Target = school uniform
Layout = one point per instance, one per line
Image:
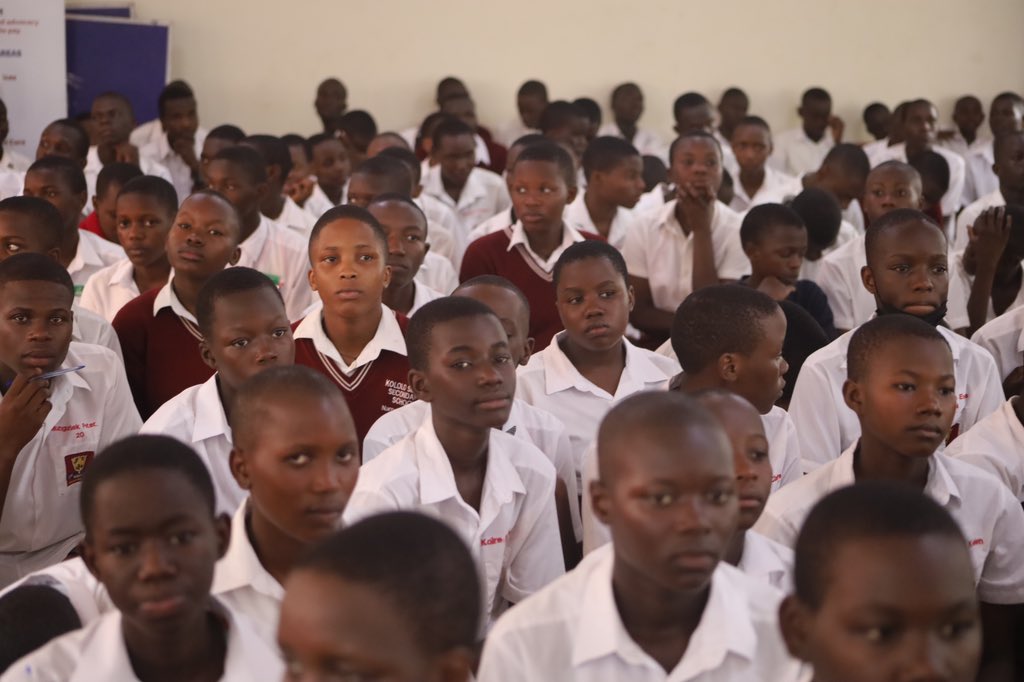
(729, 162)
(160, 341)
(283, 256)
(573, 630)
(996, 444)
(14, 161)
(826, 426)
(960, 284)
(496, 223)
(437, 273)
(577, 215)
(876, 150)
(73, 579)
(507, 253)
(775, 189)
(377, 380)
(990, 517)
(653, 200)
(319, 203)
(838, 275)
(952, 199)
(854, 215)
(196, 417)
(93, 254)
(296, 218)
(483, 195)
(513, 130)
(109, 289)
(98, 652)
(438, 212)
(1003, 338)
(658, 250)
(89, 327)
(981, 179)
(767, 560)
(970, 214)
(93, 166)
(514, 537)
(958, 145)
(646, 141)
(797, 154)
(160, 151)
(422, 294)
(811, 269)
(40, 523)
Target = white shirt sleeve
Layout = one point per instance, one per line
(815, 417)
(986, 388)
(792, 464)
(840, 299)
(538, 557)
(634, 250)
(734, 262)
(502, 658)
(1002, 577)
(121, 417)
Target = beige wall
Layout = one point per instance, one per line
(256, 63)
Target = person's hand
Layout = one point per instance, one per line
(301, 189)
(989, 235)
(776, 288)
(185, 147)
(837, 127)
(697, 203)
(22, 411)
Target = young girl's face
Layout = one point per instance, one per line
(539, 195)
(594, 303)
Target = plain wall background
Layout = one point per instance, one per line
(256, 63)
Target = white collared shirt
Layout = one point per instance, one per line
(512, 131)
(422, 294)
(838, 275)
(775, 188)
(1003, 337)
(649, 201)
(876, 150)
(166, 298)
(92, 408)
(996, 444)
(767, 560)
(496, 223)
(91, 328)
(437, 273)
(728, 155)
(826, 426)
(15, 161)
(970, 214)
(93, 254)
(388, 336)
(951, 200)
(159, 149)
(797, 154)
(572, 630)
(854, 215)
(981, 179)
(551, 382)
(990, 517)
(483, 195)
(570, 235)
(658, 250)
(577, 215)
(319, 203)
(74, 580)
(196, 417)
(296, 218)
(958, 145)
(283, 256)
(960, 284)
(514, 537)
(646, 141)
(109, 289)
(93, 166)
(98, 652)
(811, 269)
(439, 212)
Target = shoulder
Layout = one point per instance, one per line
(968, 349)
(100, 362)
(287, 239)
(173, 415)
(138, 309)
(498, 240)
(60, 657)
(831, 356)
(977, 485)
(530, 462)
(395, 467)
(488, 178)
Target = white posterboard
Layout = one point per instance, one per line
(33, 72)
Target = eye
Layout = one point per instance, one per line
(280, 332)
(329, 259)
(880, 634)
(956, 629)
(573, 300)
(13, 248)
(503, 359)
(946, 390)
(900, 268)
(345, 456)
(758, 455)
(608, 294)
(298, 459)
(461, 364)
(719, 496)
(413, 238)
(366, 258)
(239, 343)
(661, 499)
(123, 549)
(20, 318)
(182, 538)
(58, 319)
(184, 226)
(216, 233)
(940, 269)
(904, 387)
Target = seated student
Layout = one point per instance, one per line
(627, 108)
(177, 138)
(934, 172)
(50, 429)
(666, 475)
(775, 241)
(406, 228)
(531, 100)
(757, 183)
(113, 117)
(152, 538)
(239, 174)
(329, 162)
(144, 211)
(158, 330)
(1008, 152)
(473, 193)
(1005, 116)
(901, 383)
(59, 181)
(102, 222)
(692, 112)
(299, 183)
(1003, 338)
(437, 211)
(276, 205)
(895, 563)
(968, 115)
(31, 616)
(355, 129)
(591, 365)
(245, 331)
(330, 103)
(406, 610)
(564, 123)
(801, 150)
(592, 112)
(733, 106)
(499, 221)
(350, 335)
(843, 173)
(64, 137)
(877, 118)
(489, 154)
(690, 243)
(542, 183)
(891, 185)
(906, 273)
(497, 491)
(826, 230)
(614, 172)
(876, 150)
(219, 139)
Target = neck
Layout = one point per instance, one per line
(451, 189)
(726, 131)
(602, 212)
(648, 610)
(754, 280)
(681, 218)
(273, 205)
(249, 225)
(276, 551)
(752, 179)
(814, 138)
(333, 193)
(734, 550)
(400, 298)
(152, 275)
(969, 135)
(627, 128)
(226, 393)
(187, 291)
(350, 335)
(585, 359)
(193, 650)
(875, 460)
(69, 246)
(1013, 195)
(545, 243)
(915, 148)
(694, 383)
(465, 444)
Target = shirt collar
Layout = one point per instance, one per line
(570, 235)
(211, 421)
(166, 298)
(471, 191)
(85, 255)
(954, 340)
(667, 218)
(939, 484)
(240, 567)
(560, 374)
(252, 247)
(123, 274)
(389, 337)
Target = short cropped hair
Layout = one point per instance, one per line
(116, 173)
(144, 453)
(44, 217)
(693, 135)
(532, 88)
(439, 311)
(495, 281)
(35, 267)
(878, 333)
(591, 109)
(867, 510)
(387, 169)
(931, 164)
(405, 200)
(872, 109)
(273, 150)
(81, 135)
(449, 126)
(275, 385)
(407, 157)
(421, 566)
(155, 188)
(69, 172)
(820, 213)
(764, 217)
(849, 159)
(891, 220)
(688, 100)
(248, 159)
(734, 92)
(605, 153)
(549, 152)
(359, 124)
(227, 132)
(32, 615)
(754, 121)
(724, 318)
(528, 139)
(349, 212)
(174, 90)
(585, 250)
(296, 140)
(815, 94)
(226, 283)
(559, 114)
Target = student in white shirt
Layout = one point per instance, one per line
(692, 112)
(894, 562)
(331, 165)
(907, 275)
(826, 229)
(406, 609)
(627, 107)
(996, 444)
(1003, 338)
(495, 490)
(279, 253)
(1008, 165)
(801, 150)
(614, 172)
(277, 205)
(658, 603)
(531, 100)
(757, 183)
(1006, 115)
(49, 430)
(152, 538)
(176, 138)
(406, 228)
(692, 242)
(963, 139)
(590, 365)
(31, 616)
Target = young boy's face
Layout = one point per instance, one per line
(513, 315)
(752, 144)
(700, 117)
(204, 237)
(299, 463)
(572, 135)
(106, 211)
(815, 114)
(894, 609)
(180, 118)
(156, 560)
(907, 396)
(50, 185)
(142, 227)
(456, 155)
(35, 330)
(58, 140)
(362, 189)
(628, 105)
(1009, 165)
(211, 147)
(623, 184)
(300, 163)
(732, 109)
(113, 120)
(530, 108)
(594, 303)
(231, 180)
(778, 253)
(350, 270)
(968, 115)
(19, 235)
(920, 125)
(697, 161)
(908, 268)
(1005, 116)
(407, 239)
(250, 333)
(877, 122)
(330, 164)
(759, 374)
(887, 189)
(539, 195)
(745, 429)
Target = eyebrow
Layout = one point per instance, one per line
(915, 375)
(163, 525)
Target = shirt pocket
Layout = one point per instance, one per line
(74, 446)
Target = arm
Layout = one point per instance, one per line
(697, 202)
(989, 236)
(814, 412)
(23, 410)
(537, 550)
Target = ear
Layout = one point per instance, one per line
(426, 247)
(867, 278)
(417, 190)
(204, 352)
(794, 622)
(274, 174)
(222, 526)
(853, 396)
(528, 346)
(55, 253)
(239, 468)
(570, 196)
(83, 197)
(420, 385)
(630, 296)
(95, 198)
(235, 256)
(750, 249)
(729, 366)
(261, 189)
(312, 280)
(387, 274)
(600, 501)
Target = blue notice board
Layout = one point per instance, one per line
(115, 54)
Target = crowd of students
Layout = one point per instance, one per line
(562, 402)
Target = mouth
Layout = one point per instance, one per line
(493, 402)
(597, 329)
(191, 255)
(694, 562)
(750, 503)
(325, 516)
(532, 218)
(920, 308)
(38, 359)
(348, 294)
(930, 431)
(136, 252)
(159, 608)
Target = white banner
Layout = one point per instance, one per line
(33, 73)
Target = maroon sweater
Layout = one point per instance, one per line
(489, 255)
(161, 355)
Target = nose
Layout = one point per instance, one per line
(923, 280)
(325, 476)
(488, 375)
(153, 561)
(783, 366)
(930, 402)
(690, 517)
(266, 350)
(925, 661)
(40, 330)
(396, 245)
